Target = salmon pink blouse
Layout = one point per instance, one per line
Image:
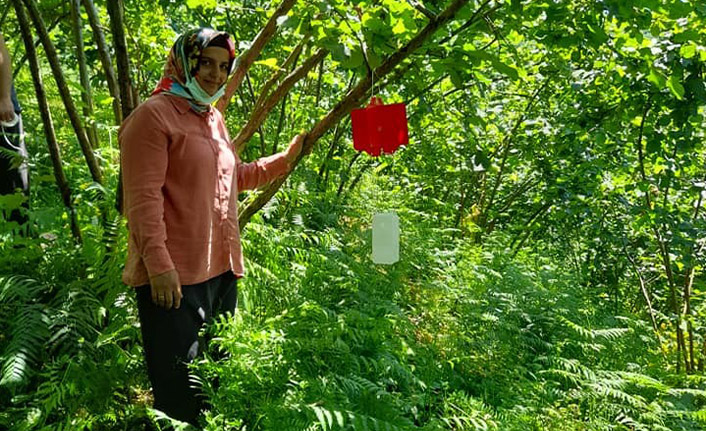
(181, 180)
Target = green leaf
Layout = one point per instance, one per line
(516, 7)
(206, 4)
(372, 22)
(500, 66)
(503, 68)
(374, 60)
(685, 36)
(353, 59)
(269, 62)
(11, 201)
(399, 28)
(679, 9)
(687, 51)
(482, 77)
(676, 87)
(657, 78)
(654, 144)
(481, 55)
(456, 79)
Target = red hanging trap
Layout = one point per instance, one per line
(379, 128)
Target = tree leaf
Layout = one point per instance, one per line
(268, 62)
(503, 68)
(657, 78)
(688, 51)
(676, 87)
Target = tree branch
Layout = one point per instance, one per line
(71, 110)
(116, 11)
(104, 54)
(86, 94)
(352, 99)
(260, 111)
(247, 58)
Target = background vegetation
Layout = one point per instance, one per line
(551, 272)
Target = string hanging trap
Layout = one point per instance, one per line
(380, 128)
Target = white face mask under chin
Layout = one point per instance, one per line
(200, 95)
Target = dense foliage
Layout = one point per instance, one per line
(550, 205)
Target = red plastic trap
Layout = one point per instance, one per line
(379, 128)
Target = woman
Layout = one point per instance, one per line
(181, 180)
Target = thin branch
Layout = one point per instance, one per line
(260, 112)
(643, 289)
(116, 11)
(291, 59)
(508, 144)
(426, 12)
(246, 60)
(104, 55)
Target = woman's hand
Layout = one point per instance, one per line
(166, 289)
(7, 109)
(295, 147)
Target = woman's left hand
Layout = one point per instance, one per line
(295, 147)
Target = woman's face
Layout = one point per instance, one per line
(213, 69)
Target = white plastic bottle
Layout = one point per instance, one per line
(386, 238)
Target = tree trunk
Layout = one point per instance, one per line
(66, 97)
(688, 285)
(127, 102)
(663, 249)
(116, 11)
(104, 55)
(86, 94)
(54, 152)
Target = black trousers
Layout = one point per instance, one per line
(171, 340)
(14, 176)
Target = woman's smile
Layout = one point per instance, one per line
(213, 69)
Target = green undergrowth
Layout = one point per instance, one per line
(70, 357)
(455, 336)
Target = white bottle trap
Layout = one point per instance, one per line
(386, 238)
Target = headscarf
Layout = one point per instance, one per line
(183, 63)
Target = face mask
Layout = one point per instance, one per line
(200, 95)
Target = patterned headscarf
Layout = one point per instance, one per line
(183, 63)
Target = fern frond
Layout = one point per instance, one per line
(593, 334)
(19, 289)
(30, 330)
(335, 419)
(604, 389)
